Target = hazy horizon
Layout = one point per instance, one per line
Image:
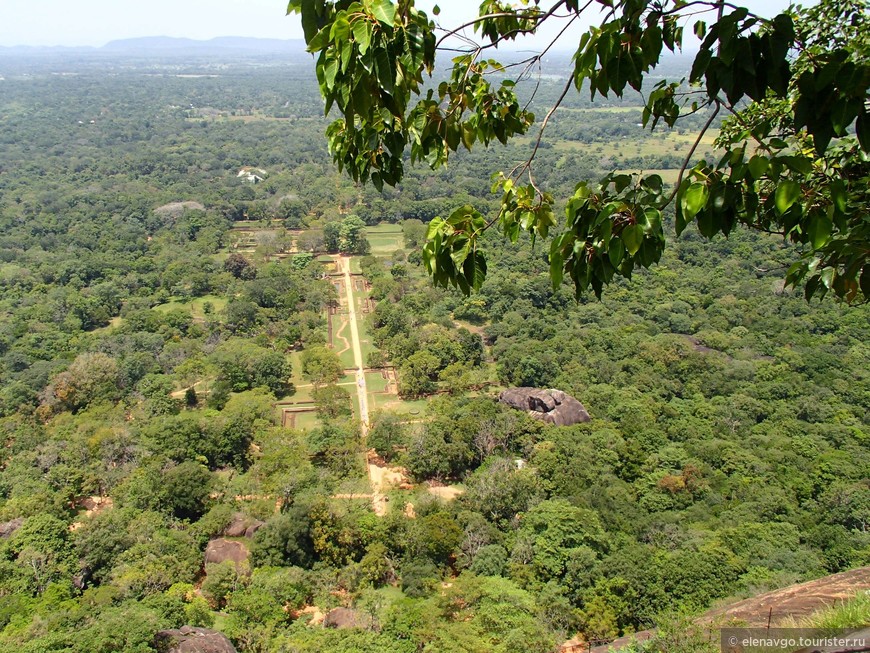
(94, 23)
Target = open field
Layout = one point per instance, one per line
(643, 144)
(600, 110)
(384, 228)
(196, 307)
(376, 381)
(384, 239)
(413, 409)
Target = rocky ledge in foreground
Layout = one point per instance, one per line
(188, 639)
(550, 406)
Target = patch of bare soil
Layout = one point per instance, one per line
(384, 478)
(446, 492)
(90, 506)
(316, 615)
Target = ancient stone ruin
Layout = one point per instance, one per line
(550, 406)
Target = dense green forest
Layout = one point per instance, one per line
(171, 235)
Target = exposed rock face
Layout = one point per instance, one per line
(220, 550)
(550, 406)
(9, 527)
(242, 526)
(175, 210)
(346, 618)
(188, 639)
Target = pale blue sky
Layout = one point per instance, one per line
(95, 22)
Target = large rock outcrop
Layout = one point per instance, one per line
(346, 618)
(9, 527)
(242, 526)
(188, 639)
(550, 406)
(221, 550)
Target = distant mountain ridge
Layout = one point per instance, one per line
(170, 44)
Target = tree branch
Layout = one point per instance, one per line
(504, 14)
(691, 152)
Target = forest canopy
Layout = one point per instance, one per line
(792, 148)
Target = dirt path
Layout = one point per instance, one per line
(379, 500)
(357, 349)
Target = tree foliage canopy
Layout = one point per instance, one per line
(794, 145)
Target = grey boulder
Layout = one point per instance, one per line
(551, 406)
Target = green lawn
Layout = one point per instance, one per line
(412, 409)
(385, 238)
(196, 307)
(347, 359)
(384, 228)
(296, 365)
(302, 394)
(385, 245)
(307, 420)
(375, 382)
(365, 336)
(114, 322)
(642, 144)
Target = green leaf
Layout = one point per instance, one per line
(680, 222)
(758, 166)
(799, 164)
(827, 276)
(652, 182)
(362, 34)
(556, 266)
(694, 199)
(385, 70)
(838, 195)
(436, 10)
(819, 231)
(615, 252)
(632, 236)
(652, 221)
(309, 19)
(384, 11)
(474, 270)
(862, 128)
(787, 193)
(436, 226)
(330, 70)
(320, 40)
